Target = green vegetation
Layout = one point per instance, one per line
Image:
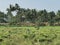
(29, 27)
(29, 16)
(30, 35)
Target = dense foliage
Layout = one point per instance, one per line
(29, 36)
(30, 16)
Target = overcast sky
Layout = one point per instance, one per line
(49, 5)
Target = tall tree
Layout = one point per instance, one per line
(51, 17)
(9, 15)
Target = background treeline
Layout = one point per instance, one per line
(29, 17)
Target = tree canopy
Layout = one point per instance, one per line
(30, 15)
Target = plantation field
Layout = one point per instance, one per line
(30, 35)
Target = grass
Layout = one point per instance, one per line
(48, 35)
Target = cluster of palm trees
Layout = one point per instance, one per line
(31, 15)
